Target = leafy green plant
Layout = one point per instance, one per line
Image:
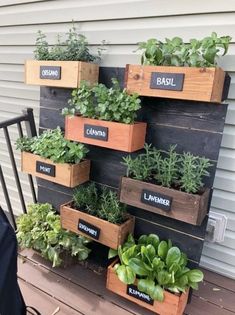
(168, 168)
(52, 145)
(74, 48)
(102, 203)
(100, 102)
(174, 52)
(156, 265)
(41, 230)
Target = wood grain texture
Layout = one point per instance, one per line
(111, 235)
(200, 84)
(189, 208)
(70, 175)
(72, 73)
(172, 304)
(122, 137)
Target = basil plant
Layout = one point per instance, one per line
(155, 265)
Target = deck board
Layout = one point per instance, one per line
(82, 291)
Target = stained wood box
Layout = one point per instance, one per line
(70, 175)
(67, 74)
(186, 83)
(104, 232)
(172, 305)
(112, 135)
(182, 206)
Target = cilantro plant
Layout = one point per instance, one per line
(156, 265)
(74, 48)
(41, 230)
(52, 145)
(174, 52)
(100, 102)
(102, 203)
(168, 168)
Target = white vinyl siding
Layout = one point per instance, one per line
(121, 23)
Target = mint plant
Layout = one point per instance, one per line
(174, 52)
(74, 48)
(102, 203)
(41, 230)
(168, 168)
(100, 102)
(52, 145)
(156, 266)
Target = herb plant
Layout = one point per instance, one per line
(100, 102)
(102, 203)
(74, 48)
(156, 265)
(41, 230)
(174, 52)
(169, 169)
(52, 145)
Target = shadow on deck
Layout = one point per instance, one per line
(78, 290)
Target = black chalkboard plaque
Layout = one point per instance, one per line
(167, 81)
(45, 168)
(133, 291)
(96, 132)
(156, 200)
(89, 229)
(50, 72)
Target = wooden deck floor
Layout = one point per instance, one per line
(78, 290)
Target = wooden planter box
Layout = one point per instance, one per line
(70, 175)
(104, 232)
(187, 83)
(67, 74)
(112, 135)
(172, 305)
(175, 204)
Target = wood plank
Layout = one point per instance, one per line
(43, 302)
(199, 306)
(217, 295)
(86, 301)
(216, 279)
(77, 297)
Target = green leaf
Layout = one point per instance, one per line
(157, 294)
(128, 254)
(195, 275)
(173, 256)
(125, 274)
(162, 249)
(112, 253)
(163, 277)
(138, 267)
(146, 285)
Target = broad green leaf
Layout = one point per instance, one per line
(157, 294)
(146, 285)
(128, 254)
(153, 239)
(162, 249)
(112, 253)
(138, 267)
(195, 275)
(163, 277)
(125, 274)
(173, 256)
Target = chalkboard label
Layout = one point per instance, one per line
(89, 229)
(156, 200)
(167, 81)
(44, 168)
(50, 72)
(96, 132)
(133, 291)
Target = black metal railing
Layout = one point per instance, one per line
(27, 118)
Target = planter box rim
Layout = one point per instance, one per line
(106, 121)
(205, 189)
(68, 204)
(172, 67)
(47, 159)
(54, 61)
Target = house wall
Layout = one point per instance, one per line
(121, 23)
